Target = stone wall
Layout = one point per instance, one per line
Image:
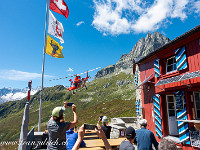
(119, 126)
(138, 91)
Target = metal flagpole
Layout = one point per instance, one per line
(41, 93)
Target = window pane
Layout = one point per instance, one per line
(198, 105)
(196, 97)
(170, 61)
(170, 99)
(198, 113)
(169, 68)
(171, 64)
(170, 105)
(174, 67)
(171, 113)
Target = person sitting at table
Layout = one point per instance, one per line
(100, 134)
(127, 144)
(71, 138)
(105, 127)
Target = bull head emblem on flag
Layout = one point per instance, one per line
(58, 29)
(55, 48)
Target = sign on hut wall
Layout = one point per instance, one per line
(179, 100)
(194, 137)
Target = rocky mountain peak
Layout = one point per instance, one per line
(143, 47)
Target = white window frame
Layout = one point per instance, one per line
(167, 65)
(174, 101)
(195, 103)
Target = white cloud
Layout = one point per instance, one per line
(19, 75)
(197, 6)
(11, 96)
(16, 96)
(124, 16)
(108, 16)
(79, 23)
(154, 16)
(70, 70)
(179, 9)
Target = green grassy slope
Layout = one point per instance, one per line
(113, 96)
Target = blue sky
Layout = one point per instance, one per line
(96, 34)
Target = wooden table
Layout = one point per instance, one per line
(99, 142)
(91, 148)
(90, 131)
(196, 123)
(190, 121)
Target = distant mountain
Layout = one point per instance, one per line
(143, 47)
(9, 94)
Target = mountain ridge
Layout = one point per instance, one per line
(142, 47)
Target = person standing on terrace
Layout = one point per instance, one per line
(105, 127)
(145, 138)
(57, 128)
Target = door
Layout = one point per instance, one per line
(171, 109)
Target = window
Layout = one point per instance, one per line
(197, 104)
(171, 64)
(171, 105)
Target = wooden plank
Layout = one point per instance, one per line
(194, 50)
(90, 136)
(179, 83)
(99, 142)
(192, 81)
(189, 56)
(194, 56)
(90, 131)
(190, 121)
(91, 148)
(197, 50)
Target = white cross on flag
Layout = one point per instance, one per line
(55, 27)
(59, 6)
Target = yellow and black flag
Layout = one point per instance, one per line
(53, 48)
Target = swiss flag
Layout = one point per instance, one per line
(59, 6)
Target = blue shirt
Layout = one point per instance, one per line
(71, 138)
(145, 138)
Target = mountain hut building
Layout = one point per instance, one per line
(167, 85)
